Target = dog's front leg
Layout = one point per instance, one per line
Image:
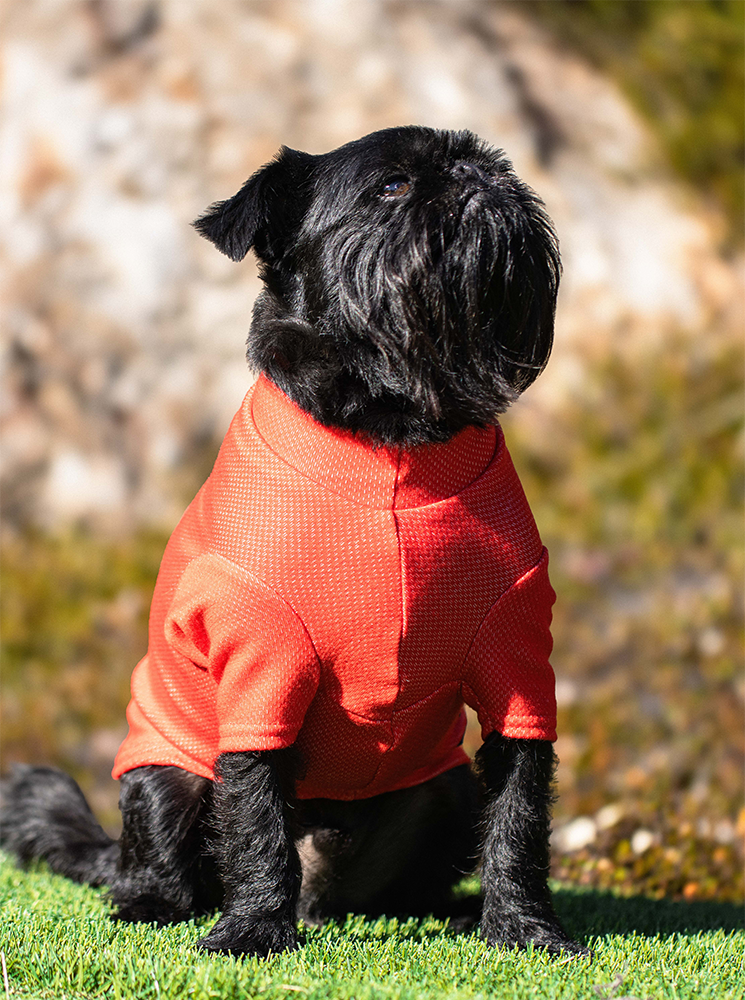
(517, 777)
(256, 853)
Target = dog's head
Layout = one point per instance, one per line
(411, 281)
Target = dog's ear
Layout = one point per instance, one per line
(263, 213)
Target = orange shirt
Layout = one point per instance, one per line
(349, 599)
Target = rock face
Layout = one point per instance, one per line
(121, 121)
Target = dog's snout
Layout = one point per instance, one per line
(470, 172)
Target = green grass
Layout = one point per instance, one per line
(59, 943)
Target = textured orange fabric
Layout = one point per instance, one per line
(349, 599)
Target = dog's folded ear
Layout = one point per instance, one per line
(261, 214)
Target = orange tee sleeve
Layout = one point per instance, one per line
(508, 678)
(253, 645)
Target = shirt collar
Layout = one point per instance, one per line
(374, 476)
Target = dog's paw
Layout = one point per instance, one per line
(260, 936)
(563, 945)
(548, 935)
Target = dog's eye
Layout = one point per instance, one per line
(395, 187)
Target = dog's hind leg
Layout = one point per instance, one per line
(159, 870)
(256, 853)
(517, 777)
(164, 871)
(45, 816)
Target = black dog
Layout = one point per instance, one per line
(410, 288)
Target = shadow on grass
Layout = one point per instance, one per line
(592, 912)
(584, 913)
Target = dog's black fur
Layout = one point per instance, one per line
(410, 287)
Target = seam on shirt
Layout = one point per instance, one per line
(237, 728)
(303, 475)
(474, 703)
(394, 715)
(400, 711)
(356, 715)
(544, 553)
(500, 447)
(350, 713)
(420, 701)
(402, 590)
(389, 722)
(180, 751)
(263, 583)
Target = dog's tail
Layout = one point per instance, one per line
(44, 815)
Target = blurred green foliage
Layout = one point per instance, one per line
(679, 864)
(73, 619)
(682, 63)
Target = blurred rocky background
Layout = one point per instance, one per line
(123, 339)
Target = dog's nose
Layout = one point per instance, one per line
(469, 171)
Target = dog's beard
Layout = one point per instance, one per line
(410, 332)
